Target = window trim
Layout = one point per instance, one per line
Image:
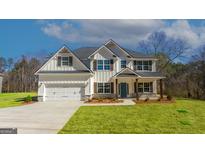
(150, 88)
(64, 60)
(100, 64)
(104, 87)
(123, 64)
(149, 65)
(103, 64)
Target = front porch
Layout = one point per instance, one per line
(137, 88)
(130, 84)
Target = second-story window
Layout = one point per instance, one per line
(65, 61)
(139, 65)
(123, 64)
(106, 64)
(100, 64)
(145, 65)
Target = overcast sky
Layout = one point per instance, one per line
(36, 37)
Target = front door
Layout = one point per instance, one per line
(123, 90)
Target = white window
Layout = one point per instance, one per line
(100, 88)
(145, 87)
(104, 88)
(65, 61)
(145, 65)
(103, 65)
(123, 64)
(106, 64)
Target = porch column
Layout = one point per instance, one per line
(116, 85)
(161, 88)
(136, 85)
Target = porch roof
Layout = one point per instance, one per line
(127, 72)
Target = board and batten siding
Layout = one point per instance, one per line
(104, 75)
(52, 64)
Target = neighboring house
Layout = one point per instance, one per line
(1, 80)
(107, 71)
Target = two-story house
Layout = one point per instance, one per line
(106, 71)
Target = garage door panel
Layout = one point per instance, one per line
(64, 92)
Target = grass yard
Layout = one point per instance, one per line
(182, 117)
(13, 99)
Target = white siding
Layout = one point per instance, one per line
(52, 64)
(102, 75)
(63, 80)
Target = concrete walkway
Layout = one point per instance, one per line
(38, 118)
(127, 101)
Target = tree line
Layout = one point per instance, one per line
(185, 78)
(19, 76)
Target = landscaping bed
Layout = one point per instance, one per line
(160, 101)
(16, 99)
(103, 100)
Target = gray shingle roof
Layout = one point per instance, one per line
(150, 74)
(79, 71)
(84, 53)
(138, 54)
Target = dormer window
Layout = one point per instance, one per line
(123, 63)
(65, 61)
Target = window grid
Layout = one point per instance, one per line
(65, 61)
(144, 65)
(103, 65)
(123, 64)
(100, 64)
(106, 64)
(145, 87)
(104, 88)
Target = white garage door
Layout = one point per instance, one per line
(64, 92)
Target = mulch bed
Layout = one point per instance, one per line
(163, 101)
(27, 103)
(103, 101)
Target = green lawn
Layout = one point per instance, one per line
(13, 99)
(184, 116)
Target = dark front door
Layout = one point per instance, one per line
(123, 90)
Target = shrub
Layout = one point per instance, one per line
(28, 98)
(169, 97)
(182, 110)
(147, 99)
(185, 122)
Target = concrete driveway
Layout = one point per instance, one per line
(38, 118)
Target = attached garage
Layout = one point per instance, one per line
(64, 92)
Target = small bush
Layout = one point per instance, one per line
(169, 97)
(147, 99)
(182, 111)
(28, 98)
(183, 122)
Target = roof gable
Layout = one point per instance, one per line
(64, 51)
(99, 49)
(127, 72)
(119, 51)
